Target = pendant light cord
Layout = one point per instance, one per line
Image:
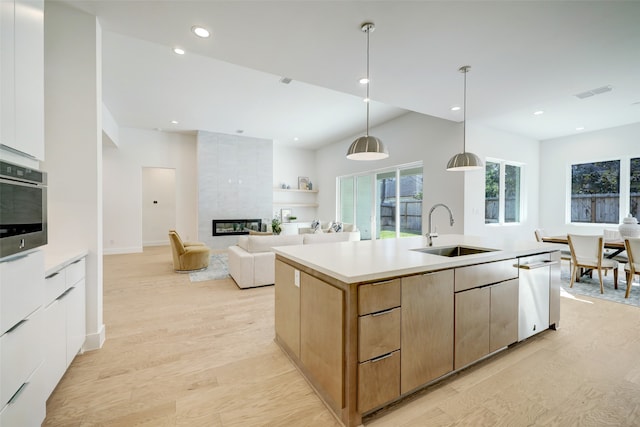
(368, 79)
(464, 112)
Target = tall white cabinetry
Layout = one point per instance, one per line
(22, 77)
(64, 315)
(22, 340)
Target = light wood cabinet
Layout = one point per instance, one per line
(378, 334)
(378, 381)
(427, 328)
(321, 335)
(486, 317)
(378, 296)
(287, 307)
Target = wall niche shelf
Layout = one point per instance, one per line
(295, 198)
(294, 190)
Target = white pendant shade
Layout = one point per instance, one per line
(367, 148)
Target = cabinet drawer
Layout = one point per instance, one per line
(378, 296)
(27, 408)
(378, 381)
(474, 276)
(54, 286)
(20, 354)
(75, 272)
(378, 334)
(22, 289)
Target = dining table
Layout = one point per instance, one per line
(617, 245)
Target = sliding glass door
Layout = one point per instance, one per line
(383, 204)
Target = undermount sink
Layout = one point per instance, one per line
(453, 251)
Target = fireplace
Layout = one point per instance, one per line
(230, 227)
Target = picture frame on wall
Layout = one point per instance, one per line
(303, 183)
(285, 213)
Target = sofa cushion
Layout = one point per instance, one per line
(243, 242)
(325, 238)
(265, 243)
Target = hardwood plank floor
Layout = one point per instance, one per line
(202, 354)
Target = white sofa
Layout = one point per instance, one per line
(252, 262)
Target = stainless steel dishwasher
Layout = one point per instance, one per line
(535, 276)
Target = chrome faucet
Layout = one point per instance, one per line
(430, 235)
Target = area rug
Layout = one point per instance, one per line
(591, 287)
(218, 269)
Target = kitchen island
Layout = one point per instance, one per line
(368, 323)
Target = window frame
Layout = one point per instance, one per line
(624, 199)
(502, 193)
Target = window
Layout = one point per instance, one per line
(595, 192)
(503, 188)
(383, 204)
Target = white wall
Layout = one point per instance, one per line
(288, 164)
(73, 139)
(558, 154)
(122, 174)
(409, 138)
(499, 145)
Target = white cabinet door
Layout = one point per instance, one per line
(21, 288)
(76, 330)
(27, 407)
(22, 353)
(7, 76)
(55, 363)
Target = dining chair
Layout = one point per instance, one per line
(565, 255)
(632, 246)
(587, 252)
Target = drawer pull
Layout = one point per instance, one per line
(17, 393)
(17, 325)
(64, 294)
(52, 275)
(381, 313)
(535, 265)
(382, 283)
(379, 358)
(76, 261)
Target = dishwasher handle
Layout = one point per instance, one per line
(535, 265)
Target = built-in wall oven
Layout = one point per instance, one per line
(23, 208)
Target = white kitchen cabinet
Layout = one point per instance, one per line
(22, 319)
(22, 290)
(22, 77)
(65, 320)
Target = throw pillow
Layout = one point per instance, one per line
(336, 227)
(315, 225)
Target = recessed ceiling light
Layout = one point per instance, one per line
(364, 81)
(178, 51)
(580, 128)
(538, 113)
(200, 32)
(366, 100)
(456, 108)
(296, 138)
(174, 122)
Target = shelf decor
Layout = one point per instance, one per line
(303, 183)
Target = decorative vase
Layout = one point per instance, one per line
(629, 227)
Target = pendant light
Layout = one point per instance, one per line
(367, 147)
(464, 161)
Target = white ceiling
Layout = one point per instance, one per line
(524, 56)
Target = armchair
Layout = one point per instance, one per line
(190, 257)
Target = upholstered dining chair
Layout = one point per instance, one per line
(632, 246)
(565, 255)
(587, 252)
(188, 258)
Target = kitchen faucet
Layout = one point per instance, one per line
(431, 235)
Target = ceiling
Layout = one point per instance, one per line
(525, 56)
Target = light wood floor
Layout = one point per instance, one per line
(202, 354)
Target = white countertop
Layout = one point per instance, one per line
(353, 262)
(55, 259)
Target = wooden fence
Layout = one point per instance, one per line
(410, 216)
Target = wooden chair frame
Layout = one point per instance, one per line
(631, 265)
(598, 266)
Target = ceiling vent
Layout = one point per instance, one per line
(285, 80)
(592, 92)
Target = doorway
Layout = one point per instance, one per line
(158, 205)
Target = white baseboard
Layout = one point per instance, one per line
(95, 341)
(116, 251)
(156, 243)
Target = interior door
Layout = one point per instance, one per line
(158, 205)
